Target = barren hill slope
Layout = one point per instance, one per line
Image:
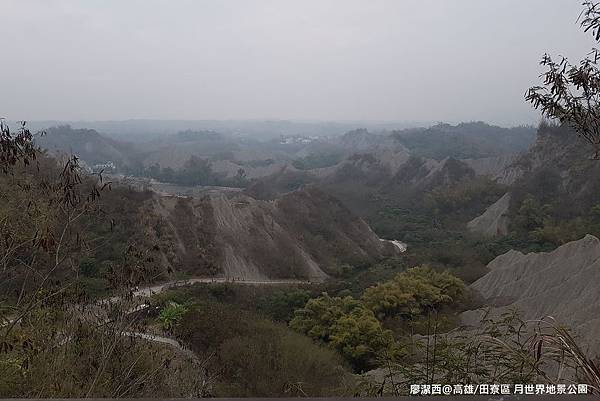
(498, 168)
(563, 284)
(303, 234)
(494, 221)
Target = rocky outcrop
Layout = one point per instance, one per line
(494, 221)
(564, 284)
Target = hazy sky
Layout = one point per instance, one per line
(405, 60)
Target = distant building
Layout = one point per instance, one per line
(108, 166)
(296, 139)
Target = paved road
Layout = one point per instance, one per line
(149, 291)
(158, 288)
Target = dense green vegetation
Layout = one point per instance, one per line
(356, 327)
(346, 325)
(414, 293)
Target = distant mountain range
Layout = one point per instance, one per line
(262, 129)
(259, 158)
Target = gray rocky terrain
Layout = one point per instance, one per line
(494, 221)
(498, 168)
(305, 234)
(562, 284)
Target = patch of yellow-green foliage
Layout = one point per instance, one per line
(353, 326)
(414, 292)
(346, 325)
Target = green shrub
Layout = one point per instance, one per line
(414, 292)
(347, 326)
(171, 315)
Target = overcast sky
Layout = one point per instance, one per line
(402, 60)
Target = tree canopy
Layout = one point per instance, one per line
(570, 93)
